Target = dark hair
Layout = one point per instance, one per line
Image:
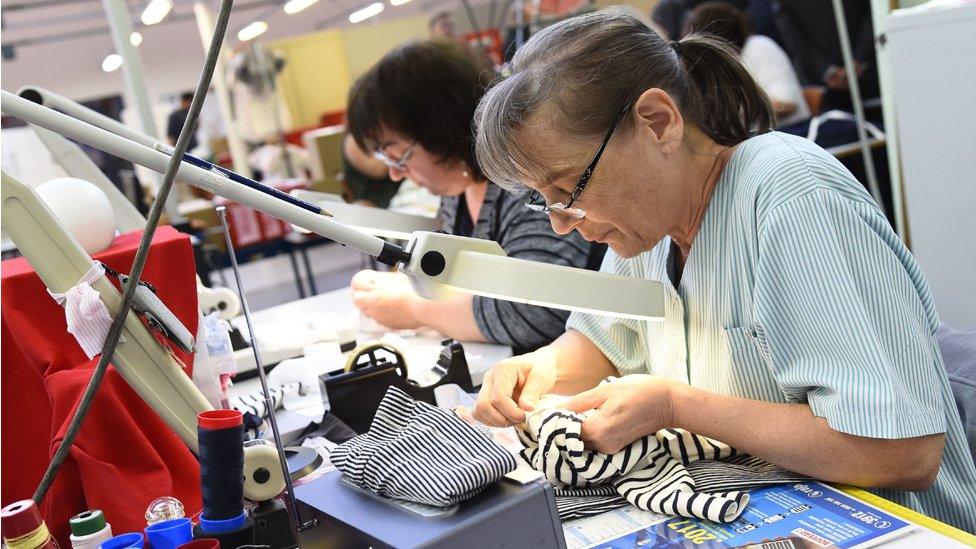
(719, 19)
(583, 70)
(425, 91)
(186, 97)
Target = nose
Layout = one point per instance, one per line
(396, 174)
(563, 224)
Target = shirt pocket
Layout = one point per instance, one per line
(753, 372)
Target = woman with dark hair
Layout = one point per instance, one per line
(414, 111)
(797, 328)
(762, 57)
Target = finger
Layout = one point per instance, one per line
(484, 411)
(587, 400)
(363, 280)
(598, 435)
(361, 299)
(535, 386)
(503, 384)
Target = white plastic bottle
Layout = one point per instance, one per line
(89, 529)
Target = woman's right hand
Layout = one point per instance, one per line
(513, 387)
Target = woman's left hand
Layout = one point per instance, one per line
(626, 410)
(387, 298)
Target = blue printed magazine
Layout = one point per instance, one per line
(799, 516)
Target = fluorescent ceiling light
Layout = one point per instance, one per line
(135, 38)
(369, 11)
(398, 2)
(156, 11)
(295, 6)
(111, 62)
(252, 31)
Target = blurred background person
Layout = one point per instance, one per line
(809, 30)
(768, 64)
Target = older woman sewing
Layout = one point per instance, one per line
(798, 327)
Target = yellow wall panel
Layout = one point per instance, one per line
(315, 78)
(366, 43)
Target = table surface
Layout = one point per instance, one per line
(481, 356)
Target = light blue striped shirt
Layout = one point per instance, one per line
(798, 290)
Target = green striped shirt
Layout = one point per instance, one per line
(798, 290)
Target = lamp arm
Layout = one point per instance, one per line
(218, 183)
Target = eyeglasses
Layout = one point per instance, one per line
(396, 163)
(536, 202)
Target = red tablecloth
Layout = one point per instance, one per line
(124, 456)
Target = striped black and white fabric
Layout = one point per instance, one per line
(254, 402)
(673, 472)
(420, 453)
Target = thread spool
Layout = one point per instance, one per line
(243, 535)
(23, 527)
(169, 534)
(202, 543)
(89, 529)
(124, 541)
(262, 473)
(221, 438)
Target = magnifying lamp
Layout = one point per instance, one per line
(436, 263)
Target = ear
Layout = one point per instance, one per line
(657, 112)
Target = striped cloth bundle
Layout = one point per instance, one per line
(423, 454)
(254, 402)
(672, 472)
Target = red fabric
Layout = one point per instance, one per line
(125, 455)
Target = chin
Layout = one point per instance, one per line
(628, 250)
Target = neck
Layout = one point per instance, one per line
(474, 196)
(704, 163)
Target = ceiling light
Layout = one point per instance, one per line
(156, 11)
(295, 6)
(398, 2)
(135, 38)
(369, 11)
(252, 31)
(111, 62)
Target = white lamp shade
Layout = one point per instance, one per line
(83, 209)
(442, 262)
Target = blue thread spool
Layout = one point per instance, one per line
(123, 541)
(169, 534)
(221, 437)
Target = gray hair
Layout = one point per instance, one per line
(581, 71)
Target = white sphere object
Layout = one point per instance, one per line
(83, 209)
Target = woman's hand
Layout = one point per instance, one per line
(630, 408)
(513, 387)
(387, 298)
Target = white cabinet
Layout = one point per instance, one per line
(933, 61)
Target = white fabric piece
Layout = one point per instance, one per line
(771, 68)
(85, 313)
(254, 402)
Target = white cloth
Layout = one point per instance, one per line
(85, 313)
(772, 70)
